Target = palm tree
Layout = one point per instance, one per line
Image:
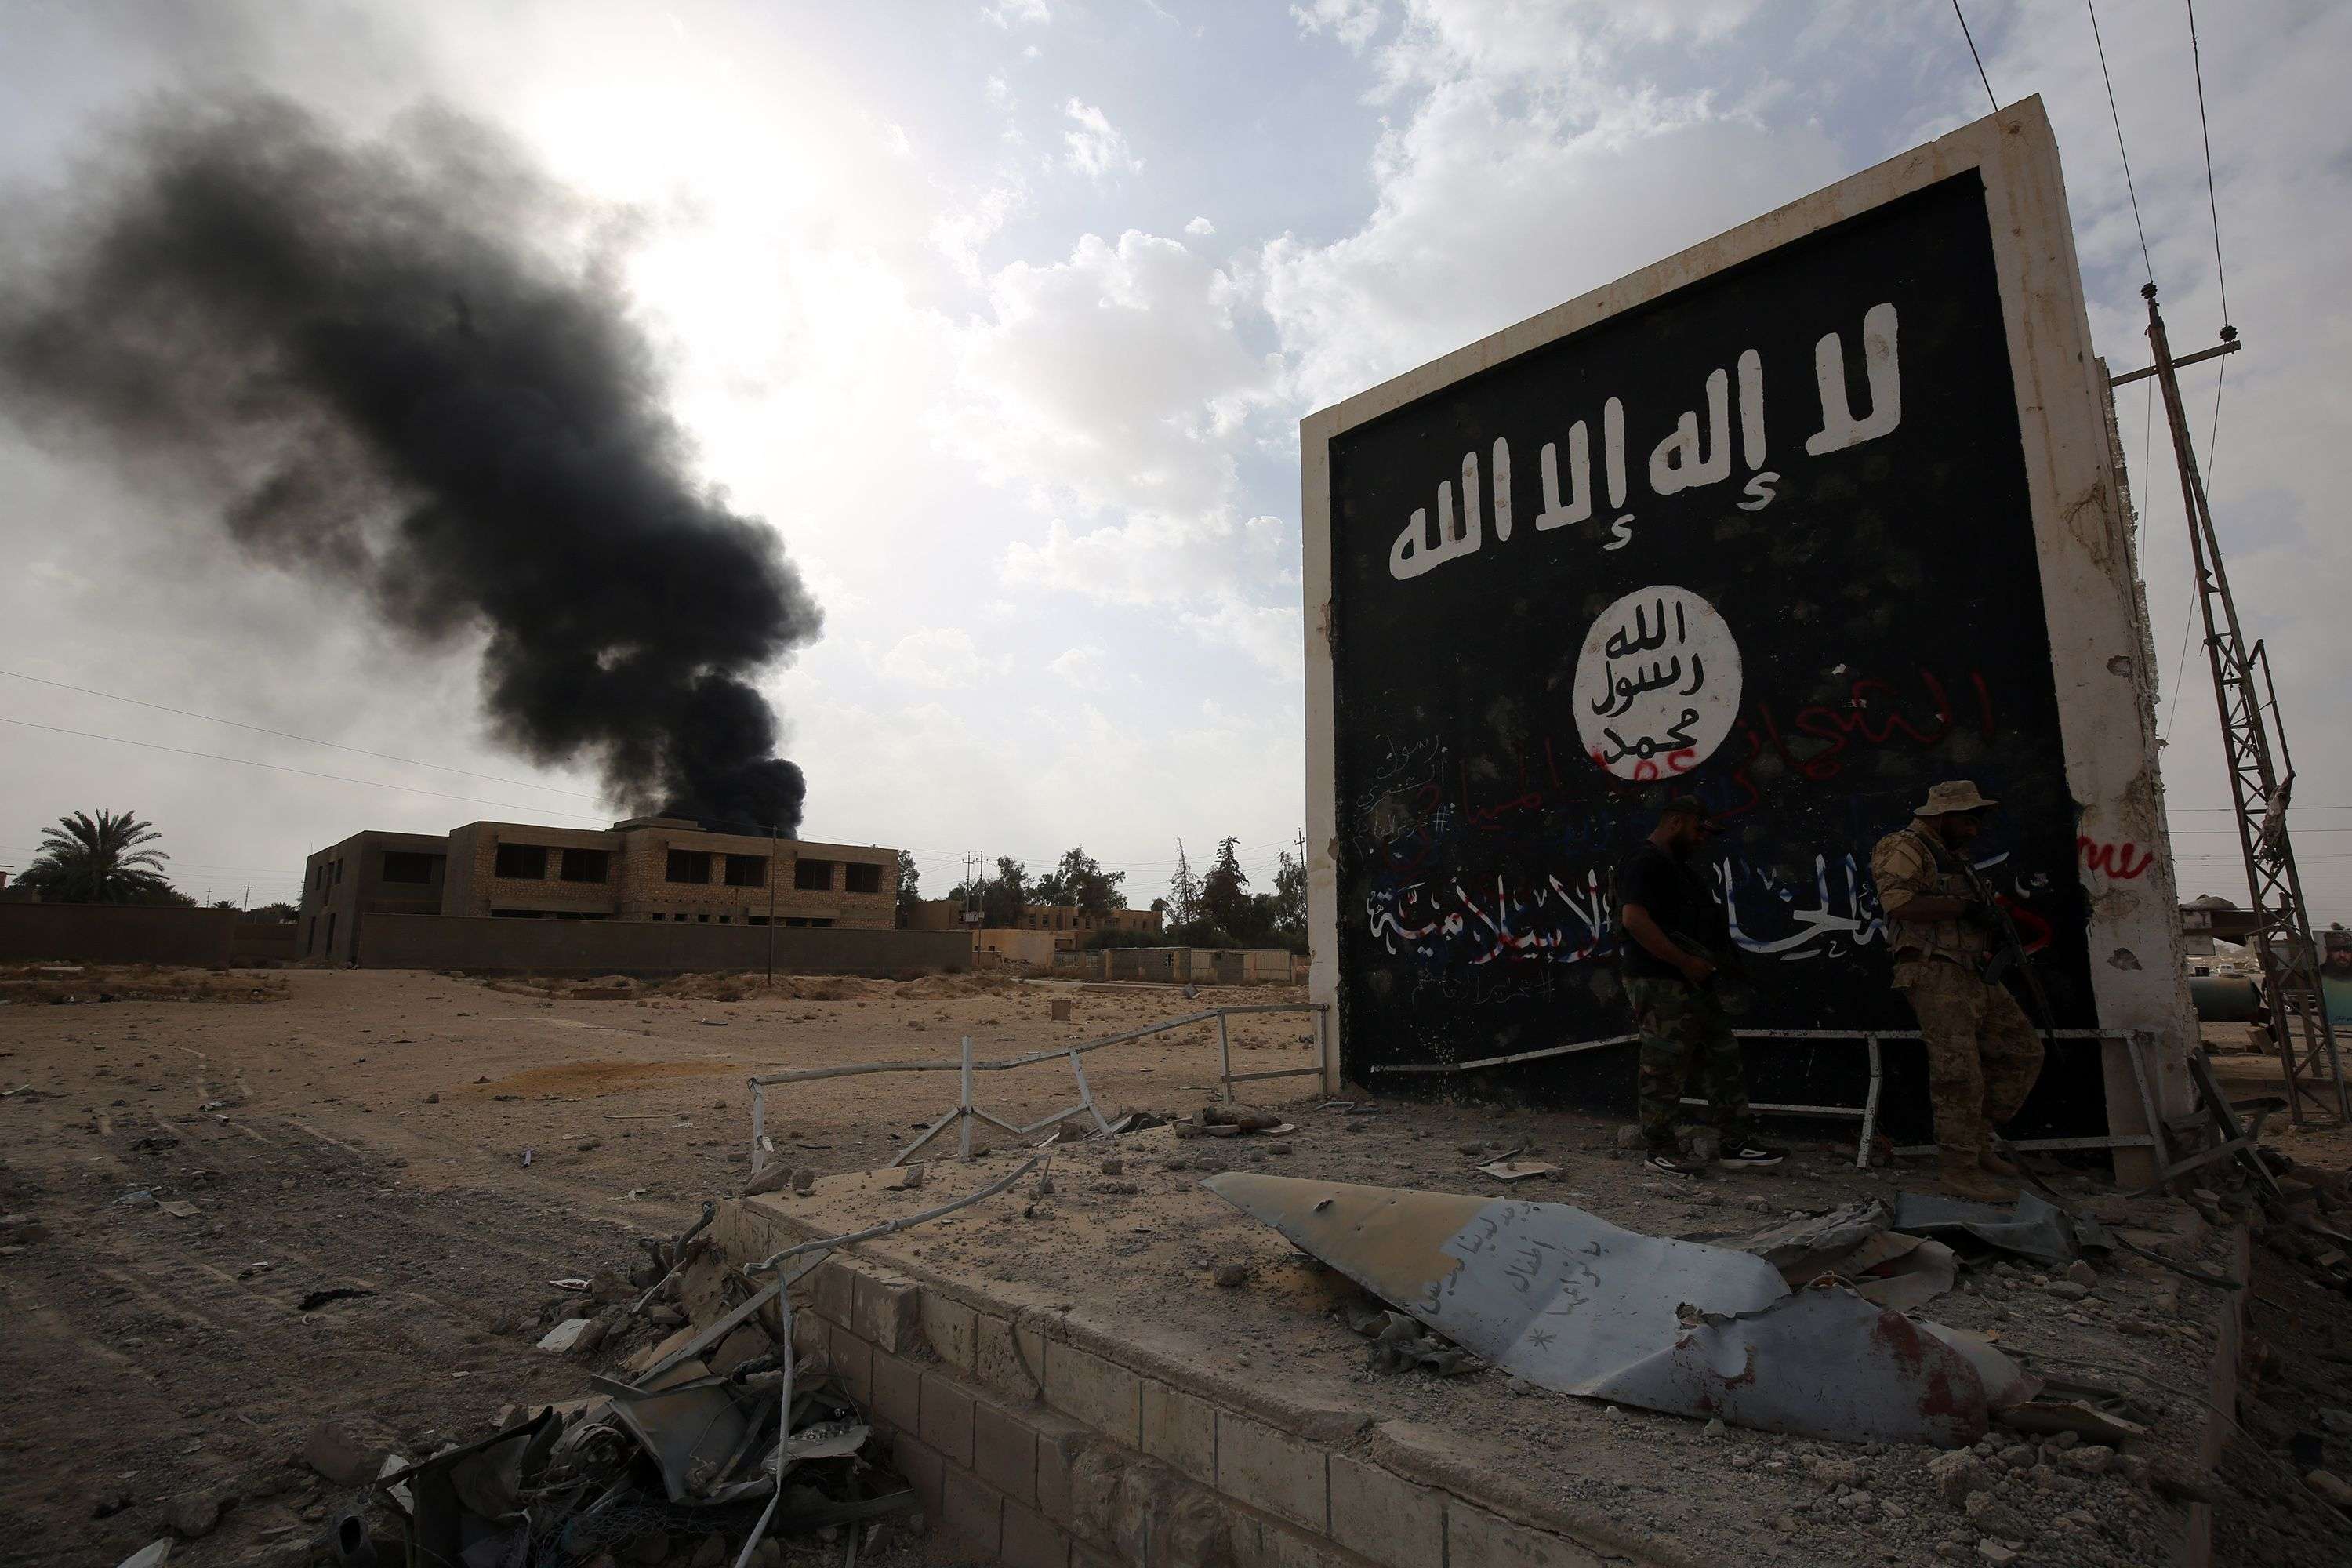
(99, 862)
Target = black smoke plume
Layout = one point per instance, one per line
(407, 365)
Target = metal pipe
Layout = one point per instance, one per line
(1224, 1056)
(1870, 1106)
(759, 1124)
(891, 1226)
(963, 1106)
(1285, 1072)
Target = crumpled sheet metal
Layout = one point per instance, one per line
(1565, 1300)
(1884, 1266)
(2034, 1228)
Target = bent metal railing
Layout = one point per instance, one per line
(2136, 1045)
(963, 1113)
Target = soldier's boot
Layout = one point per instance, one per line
(1995, 1164)
(1962, 1178)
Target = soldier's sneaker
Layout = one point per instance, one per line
(1675, 1162)
(1749, 1157)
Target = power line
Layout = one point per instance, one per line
(2116, 116)
(2212, 203)
(279, 767)
(286, 735)
(1976, 57)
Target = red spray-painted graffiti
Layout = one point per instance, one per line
(2114, 859)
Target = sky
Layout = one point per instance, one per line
(1004, 317)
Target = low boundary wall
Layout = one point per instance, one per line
(648, 947)
(116, 933)
(1041, 1442)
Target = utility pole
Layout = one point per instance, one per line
(2262, 774)
(248, 895)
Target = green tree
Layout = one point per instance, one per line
(1225, 893)
(911, 891)
(100, 861)
(1288, 915)
(1079, 878)
(1183, 900)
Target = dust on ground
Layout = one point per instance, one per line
(35, 984)
(357, 1131)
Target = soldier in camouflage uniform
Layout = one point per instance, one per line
(1983, 1055)
(1672, 923)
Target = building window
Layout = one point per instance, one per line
(821, 921)
(758, 919)
(864, 879)
(521, 862)
(813, 876)
(747, 870)
(584, 865)
(702, 920)
(726, 920)
(688, 866)
(339, 872)
(407, 866)
(514, 914)
(311, 933)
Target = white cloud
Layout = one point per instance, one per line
(1115, 378)
(959, 234)
(1352, 22)
(1015, 12)
(895, 140)
(940, 657)
(1097, 148)
(1527, 172)
(1202, 227)
(1088, 667)
(1000, 92)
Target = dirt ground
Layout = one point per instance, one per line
(369, 1129)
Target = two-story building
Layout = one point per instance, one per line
(646, 868)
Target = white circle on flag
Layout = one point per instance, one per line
(1657, 684)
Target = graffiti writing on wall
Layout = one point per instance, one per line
(1683, 459)
(2114, 859)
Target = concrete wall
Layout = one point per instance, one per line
(2092, 849)
(345, 881)
(1177, 966)
(1036, 947)
(646, 947)
(115, 933)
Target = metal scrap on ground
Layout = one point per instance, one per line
(1568, 1300)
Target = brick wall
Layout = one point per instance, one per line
(646, 947)
(1040, 1451)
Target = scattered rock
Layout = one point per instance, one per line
(1231, 1275)
(1628, 1137)
(1716, 1428)
(1518, 1387)
(1834, 1472)
(1114, 1167)
(1957, 1475)
(2091, 1458)
(2082, 1274)
(2067, 1289)
(1118, 1189)
(1996, 1518)
(1993, 1551)
(711, 1553)
(433, 1098)
(192, 1515)
(1471, 1146)
(346, 1449)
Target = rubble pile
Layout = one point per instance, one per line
(674, 1454)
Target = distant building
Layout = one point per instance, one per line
(646, 868)
(946, 914)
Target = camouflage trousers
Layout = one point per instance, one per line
(1685, 1041)
(1983, 1055)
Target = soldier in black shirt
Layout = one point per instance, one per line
(1676, 934)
